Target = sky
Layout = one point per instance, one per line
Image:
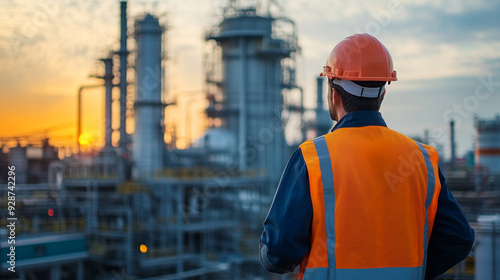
(446, 54)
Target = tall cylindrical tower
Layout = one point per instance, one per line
(323, 121)
(148, 107)
(123, 52)
(252, 84)
(452, 144)
(108, 100)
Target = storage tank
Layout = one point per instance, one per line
(488, 248)
(487, 154)
(218, 144)
(252, 85)
(148, 143)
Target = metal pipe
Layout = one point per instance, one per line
(130, 243)
(319, 107)
(278, 139)
(242, 107)
(79, 113)
(108, 99)
(493, 251)
(452, 140)
(301, 110)
(319, 93)
(123, 74)
(189, 121)
(179, 232)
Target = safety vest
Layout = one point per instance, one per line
(374, 193)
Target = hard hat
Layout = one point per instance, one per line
(360, 57)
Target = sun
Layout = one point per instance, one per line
(85, 139)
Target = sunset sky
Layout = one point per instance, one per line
(446, 53)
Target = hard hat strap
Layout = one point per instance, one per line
(358, 90)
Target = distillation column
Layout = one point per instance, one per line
(148, 141)
(252, 88)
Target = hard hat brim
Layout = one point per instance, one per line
(331, 75)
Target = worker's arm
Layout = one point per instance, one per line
(451, 238)
(286, 236)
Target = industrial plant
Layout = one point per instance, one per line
(143, 209)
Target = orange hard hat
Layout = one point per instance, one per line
(360, 57)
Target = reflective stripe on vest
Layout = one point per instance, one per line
(430, 191)
(324, 163)
(329, 193)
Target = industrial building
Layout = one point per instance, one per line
(142, 210)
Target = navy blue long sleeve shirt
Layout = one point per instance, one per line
(286, 236)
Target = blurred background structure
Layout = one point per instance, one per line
(145, 209)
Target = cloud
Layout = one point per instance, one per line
(440, 48)
(416, 60)
(452, 7)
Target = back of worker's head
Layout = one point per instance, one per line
(352, 102)
(358, 69)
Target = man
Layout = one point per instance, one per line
(364, 201)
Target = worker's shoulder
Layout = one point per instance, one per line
(311, 143)
(308, 144)
(430, 149)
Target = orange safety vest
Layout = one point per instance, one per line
(374, 193)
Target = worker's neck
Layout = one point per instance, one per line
(340, 112)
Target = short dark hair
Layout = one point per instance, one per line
(353, 103)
